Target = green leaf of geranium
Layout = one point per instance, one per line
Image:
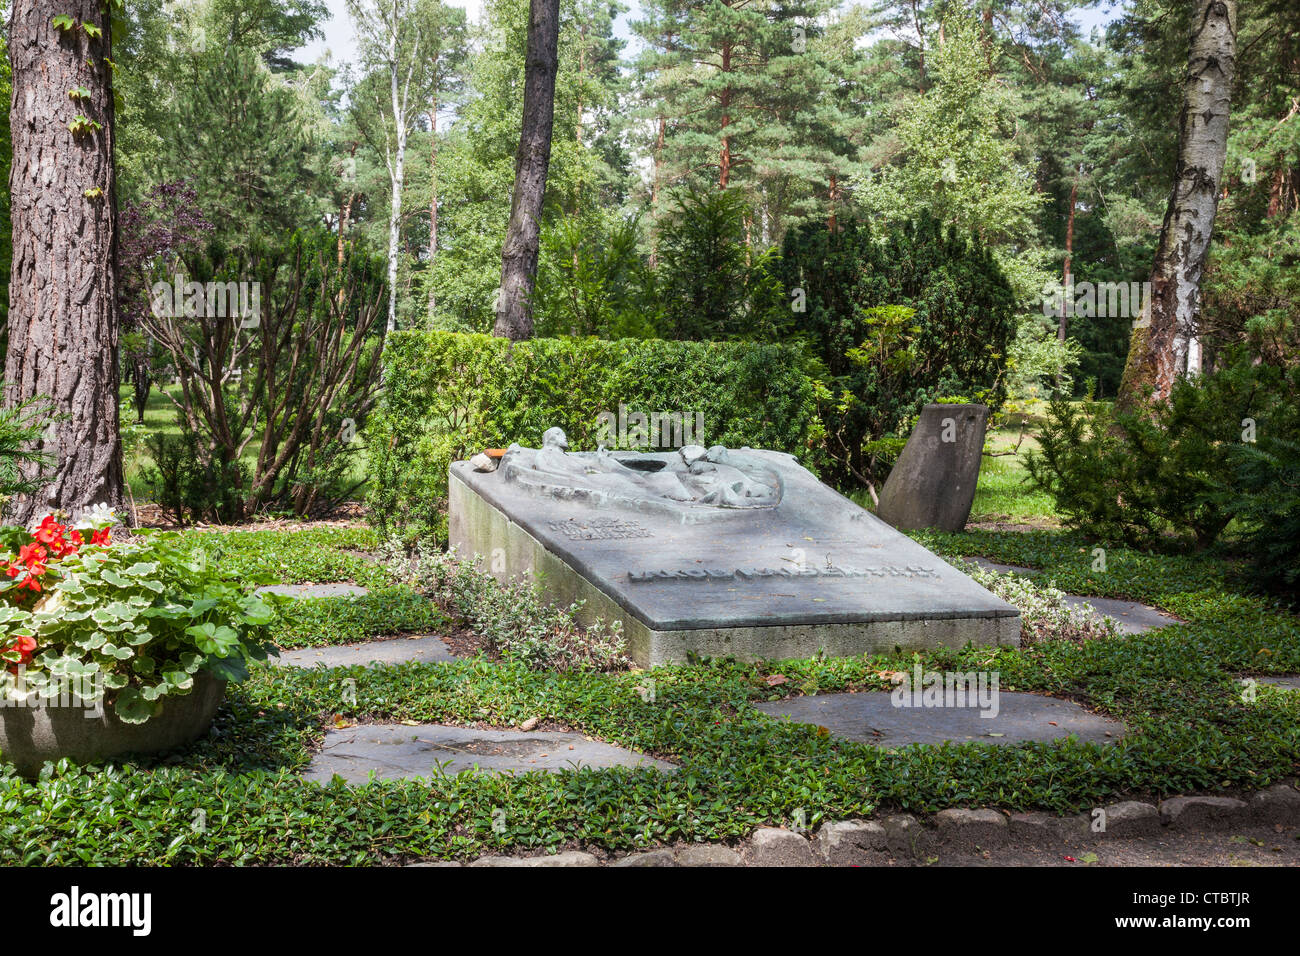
(257, 612)
(168, 612)
(123, 611)
(10, 613)
(115, 579)
(232, 668)
(93, 641)
(132, 707)
(178, 679)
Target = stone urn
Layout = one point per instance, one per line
(31, 734)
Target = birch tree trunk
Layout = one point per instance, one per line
(389, 37)
(63, 313)
(1165, 344)
(397, 176)
(519, 252)
(433, 202)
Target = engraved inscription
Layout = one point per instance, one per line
(749, 574)
(599, 528)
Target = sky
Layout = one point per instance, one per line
(340, 40)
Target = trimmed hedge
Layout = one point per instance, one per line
(450, 395)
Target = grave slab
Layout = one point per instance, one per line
(399, 752)
(872, 718)
(717, 553)
(314, 590)
(1132, 617)
(425, 649)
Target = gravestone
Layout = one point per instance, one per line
(932, 485)
(715, 553)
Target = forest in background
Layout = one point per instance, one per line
(1000, 118)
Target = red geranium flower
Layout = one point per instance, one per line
(33, 556)
(55, 534)
(25, 646)
(31, 564)
(102, 536)
(49, 531)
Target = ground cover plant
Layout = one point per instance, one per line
(1189, 728)
(386, 611)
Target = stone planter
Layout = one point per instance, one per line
(31, 735)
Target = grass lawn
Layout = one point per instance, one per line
(1189, 729)
(1004, 493)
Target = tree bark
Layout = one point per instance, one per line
(397, 176)
(519, 252)
(63, 311)
(1063, 326)
(1067, 296)
(433, 201)
(654, 193)
(724, 158)
(1165, 344)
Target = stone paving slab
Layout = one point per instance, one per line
(399, 752)
(872, 718)
(314, 590)
(425, 649)
(1288, 682)
(1280, 681)
(1002, 568)
(1131, 616)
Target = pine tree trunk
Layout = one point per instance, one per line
(519, 252)
(63, 314)
(1063, 323)
(724, 159)
(654, 193)
(1165, 344)
(1063, 326)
